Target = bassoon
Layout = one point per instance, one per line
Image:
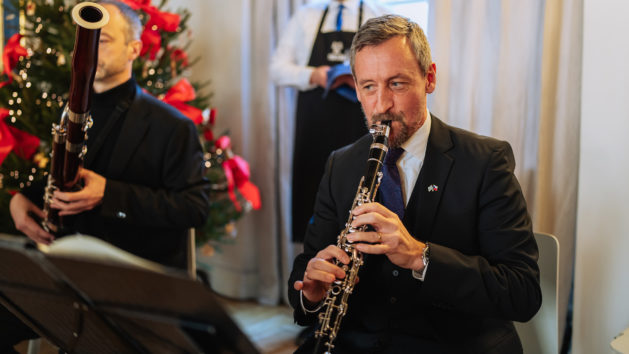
(69, 136)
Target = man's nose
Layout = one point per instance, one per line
(385, 100)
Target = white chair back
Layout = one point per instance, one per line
(540, 335)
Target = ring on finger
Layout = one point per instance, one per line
(379, 237)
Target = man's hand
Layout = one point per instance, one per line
(70, 203)
(344, 80)
(390, 238)
(319, 76)
(321, 272)
(20, 207)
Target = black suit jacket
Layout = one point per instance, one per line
(483, 270)
(155, 190)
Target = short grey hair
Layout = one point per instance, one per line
(380, 29)
(134, 25)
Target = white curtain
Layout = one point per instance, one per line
(284, 111)
(234, 41)
(511, 69)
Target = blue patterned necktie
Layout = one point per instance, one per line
(339, 18)
(390, 187)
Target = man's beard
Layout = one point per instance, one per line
(401, 134)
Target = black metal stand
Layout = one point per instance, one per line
(89, 306)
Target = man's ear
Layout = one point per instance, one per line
(431, 78)
(135, 48)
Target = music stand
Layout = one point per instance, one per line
(92, 306)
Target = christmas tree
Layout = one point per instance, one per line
(34, 88)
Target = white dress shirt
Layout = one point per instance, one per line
(412, 160)
(289, 63)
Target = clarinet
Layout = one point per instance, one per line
(69, 136)
(335, 303)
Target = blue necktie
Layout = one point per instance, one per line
(390, 187)
(339, 18)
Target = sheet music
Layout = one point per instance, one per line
(89, 247)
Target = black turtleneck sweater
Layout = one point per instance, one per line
(104, 107)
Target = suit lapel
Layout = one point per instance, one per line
(431, 182)
(135, 124)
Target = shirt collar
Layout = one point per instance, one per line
(349, 4)
(416, 144)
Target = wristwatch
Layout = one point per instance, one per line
(425, 259)
(426, 255)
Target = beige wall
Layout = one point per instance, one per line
(601, 307)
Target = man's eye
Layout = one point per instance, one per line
(368, 87)
(397, 84)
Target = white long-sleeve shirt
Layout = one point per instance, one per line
(289, 63)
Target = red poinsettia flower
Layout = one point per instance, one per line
(137, 4)
(11, 55)
(20, 142)
(151, 43)
(180, 93)
(165, 21)
(237, 173)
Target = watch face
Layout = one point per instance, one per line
(426, 254)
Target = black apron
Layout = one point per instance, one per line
(322, 125)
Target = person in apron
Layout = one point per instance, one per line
(323, 124)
